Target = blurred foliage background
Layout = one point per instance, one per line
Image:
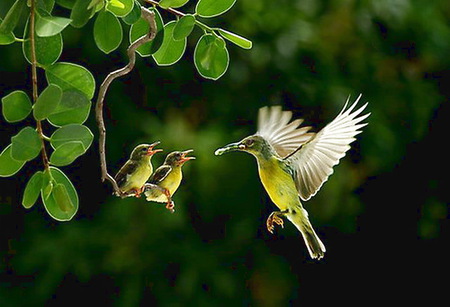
(383, 215)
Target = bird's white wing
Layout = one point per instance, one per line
(313, 162)
(285, 137)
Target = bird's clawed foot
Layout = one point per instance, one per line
(170, 204)
(275, 217)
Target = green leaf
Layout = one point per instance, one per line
(107, 32)
(47, 184)
(120, 8)
(48, 49)
(8, 165)
(70, 76)
(171, 50)
(211, 57)
(16, 106)
(81, 14)
(183, 27)
(141, 28)
(212, 8)
(172, 3)
(62, 201)
(73, 109)
(6, 38)
(71, 133)
(32, 190)
(47, 25)
(134, 15)
(236, 39)
(26, 145)
(66, 153)
(68, 4)
(46, 5)
(47, 102)
(12, 17)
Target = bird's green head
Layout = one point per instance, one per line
(254, 144)
(178, 158)
(143, 151)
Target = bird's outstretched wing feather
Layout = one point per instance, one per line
(160, 174)
(285, 137)
(313, 163)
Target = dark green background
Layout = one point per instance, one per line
(382, 215)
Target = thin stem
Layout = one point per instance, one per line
(169, 9)
(149, 16)
(34, 81)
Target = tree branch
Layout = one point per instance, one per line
(149, 16)
(34, 80)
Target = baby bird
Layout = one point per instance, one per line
(167, 179)
(136, 171)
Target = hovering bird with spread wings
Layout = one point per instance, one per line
(293, 163)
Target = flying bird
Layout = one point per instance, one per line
(167, 178)
(135, 172)
(293, 163)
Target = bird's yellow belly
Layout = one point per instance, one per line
(279, 185)
(137, 179)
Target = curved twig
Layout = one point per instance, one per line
(149, 16)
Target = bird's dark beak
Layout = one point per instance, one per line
(229, 147)
(151, 151)
(184, 157)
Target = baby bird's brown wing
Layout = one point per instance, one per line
(160, 174)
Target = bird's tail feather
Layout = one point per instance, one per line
(299, 217)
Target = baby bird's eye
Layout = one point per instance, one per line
(144, 149)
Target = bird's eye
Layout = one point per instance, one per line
(144, 149)
(249, 142)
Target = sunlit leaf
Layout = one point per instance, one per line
(74, 108)
(25, 145)
(70, 76)
(61, 203)
(120, 8)
(8, 165)
(183, 27)
(70, 133)
(211, 57)
(47, 102)
(172, 3)
(47, 25)
(171, 50)
(236, 39)
(6, 38)
(107, 32)
(66, 153)
(212, 8)
(32, 190)
(16, 106)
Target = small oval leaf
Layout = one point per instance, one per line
(212, 8)
(107, 32)
(66, 153)
(26, 145)
(16, 106)
(47, 25)
(172, 3)
(74, 108)
(70, 133)
(81, 13)
(47, 102)
(171, 50)
(183, 27)
(69, 76)
(236, 39)
(211, 57)
(32, 190)
(8, 165)
(12, 17)
(60, 204)
(120, 8)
